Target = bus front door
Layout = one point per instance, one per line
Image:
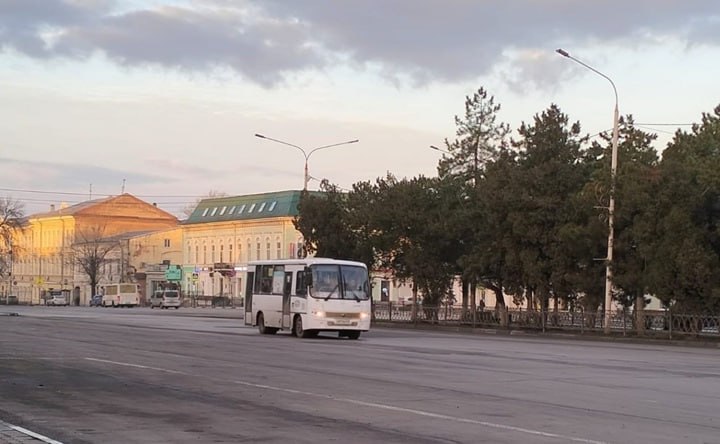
(287, 290)
(249, 282)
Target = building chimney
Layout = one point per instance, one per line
(155, 204)
(52, 207)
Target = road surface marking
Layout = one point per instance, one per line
(27, 432)
(126, 364)
(424, 413)
(377, 406)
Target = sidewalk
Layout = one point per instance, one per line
(10, 434)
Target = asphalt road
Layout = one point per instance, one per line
(97, 375)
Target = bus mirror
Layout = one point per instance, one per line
(308, 277)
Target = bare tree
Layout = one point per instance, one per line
(91, 251)
(11, 220)
(188, 210)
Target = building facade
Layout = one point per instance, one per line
(46, 253)
(150, 255)
(223, 234)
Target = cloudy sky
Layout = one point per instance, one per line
(166, 95)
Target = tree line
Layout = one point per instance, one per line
(525, 214)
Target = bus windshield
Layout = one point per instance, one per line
(339, 282)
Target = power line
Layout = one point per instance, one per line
(665, 124)
(653, 129)
(69, 193)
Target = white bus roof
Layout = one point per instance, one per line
(307, 261)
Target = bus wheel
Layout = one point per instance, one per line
(261, 326)
(353, 334)
(299, 331)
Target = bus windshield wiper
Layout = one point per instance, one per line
(332, 292)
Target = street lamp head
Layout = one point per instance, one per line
(562, 52)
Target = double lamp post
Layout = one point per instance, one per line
(305, 153)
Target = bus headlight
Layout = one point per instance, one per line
(320, 314)
(364, 315)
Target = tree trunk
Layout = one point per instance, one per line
(530, 296)
(465, 285)
(640, 314)
(499, 298)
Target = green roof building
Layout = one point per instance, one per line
(224, 233)
(247, 207)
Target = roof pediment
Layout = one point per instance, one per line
(124, 205)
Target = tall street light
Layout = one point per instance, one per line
(611, 206)
(307, 154)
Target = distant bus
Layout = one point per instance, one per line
(120, 295)
(308, 296)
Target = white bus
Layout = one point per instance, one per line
(120, 295)
(307, 296)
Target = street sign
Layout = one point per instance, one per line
(173, 273)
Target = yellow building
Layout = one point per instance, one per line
(223, 234)
(150, 255)
(44, 256)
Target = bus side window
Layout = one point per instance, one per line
(266, 280)
(300, 288)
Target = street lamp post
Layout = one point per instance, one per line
(611, 206)
(306, 154)
(433, 147)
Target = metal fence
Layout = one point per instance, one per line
(652, 323)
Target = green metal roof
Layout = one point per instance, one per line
(248, 207)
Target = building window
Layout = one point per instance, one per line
(242, 208)
(222, 210)
(262, 207)
(239, 252)
(166, 243)
(230, 253)
(279, 250)
(249, 251)
(252, 207)
(197, 253)
(204, 254)
(205, 212)
(232, 209)
(267, 248)
(272, 205)
(214, 210)
(257, 248)
(222, 250)
(189, 250)
(212, 253)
